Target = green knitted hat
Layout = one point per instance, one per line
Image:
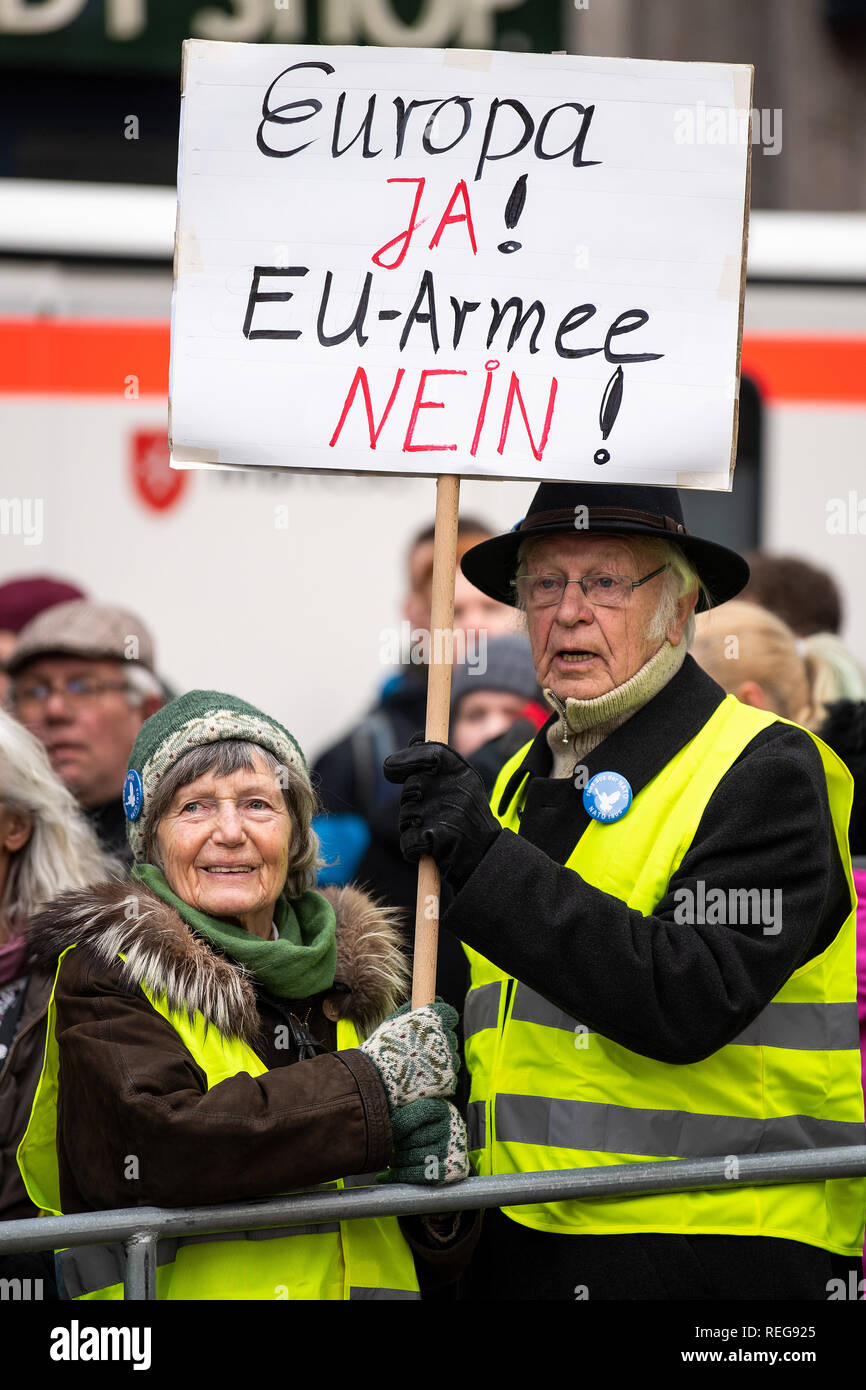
(192, 720)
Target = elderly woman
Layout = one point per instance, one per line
(657, 908)
(204, 1039)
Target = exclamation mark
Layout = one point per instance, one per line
(610, 404)
(513, 209)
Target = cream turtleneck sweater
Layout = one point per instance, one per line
(587, 723)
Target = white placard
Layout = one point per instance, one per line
(491, 264)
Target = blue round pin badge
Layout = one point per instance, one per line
(607, 796)
(133, 795)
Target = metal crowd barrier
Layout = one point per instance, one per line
(140, 1228)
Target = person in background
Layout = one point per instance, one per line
(358, 830)
(494, 711)
(82, 681)
(496, 707)
(46, 848)
(813, 681)
(756, 656)
(836, 673)
(20, 601)
(803, 596)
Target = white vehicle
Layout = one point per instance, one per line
(287, 588)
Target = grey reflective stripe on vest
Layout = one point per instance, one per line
(807, 1027)
(811, 1027)
(361, 1180)
(355, 1180)
(481, 1009)
(86, 1268)
(382, 1293)
(476, 1124)
(530, 1007)
(595, 1127)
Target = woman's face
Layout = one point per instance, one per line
(16, 828)
(224, 844)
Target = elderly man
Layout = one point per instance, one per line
(21, 600)
(359, 831)
(83, 683)
(658, 915)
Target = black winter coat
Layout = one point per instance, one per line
(652, 987)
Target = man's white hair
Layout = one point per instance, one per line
(141, 684)
(680, 580)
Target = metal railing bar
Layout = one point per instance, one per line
(405, 1199)
(139, 1280)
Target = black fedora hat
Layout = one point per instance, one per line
(617, 510)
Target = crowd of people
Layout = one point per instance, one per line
(653, 871)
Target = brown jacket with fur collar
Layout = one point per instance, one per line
(130, 1090)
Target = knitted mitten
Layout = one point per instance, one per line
(415, 1053)
(430, 1143)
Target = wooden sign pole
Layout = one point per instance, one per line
(438, 701)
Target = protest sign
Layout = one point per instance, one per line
(458, 264)
(486, 264)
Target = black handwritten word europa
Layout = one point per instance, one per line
(274, 117)
(429, 314)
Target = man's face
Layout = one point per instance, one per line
(473, 611)
(88, 739)
(481, 716)
(417, 605)
(477, 612)
(581, 651)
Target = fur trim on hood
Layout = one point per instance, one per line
(172, 959)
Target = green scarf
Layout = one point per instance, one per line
(301, 963)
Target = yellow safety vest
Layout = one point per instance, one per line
(548, 1094)
(363, 1259)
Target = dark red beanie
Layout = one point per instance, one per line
(23, 599)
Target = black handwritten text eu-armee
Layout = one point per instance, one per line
(429, 315)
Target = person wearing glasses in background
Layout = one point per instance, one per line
(658, 911)
(21, 600)
(82, 681)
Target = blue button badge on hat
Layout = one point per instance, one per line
(133, 795)
(607, 796)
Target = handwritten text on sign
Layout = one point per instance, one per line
(417, 262)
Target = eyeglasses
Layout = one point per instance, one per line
(601, 590)
(30, 697)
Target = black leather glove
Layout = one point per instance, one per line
(443, 809)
